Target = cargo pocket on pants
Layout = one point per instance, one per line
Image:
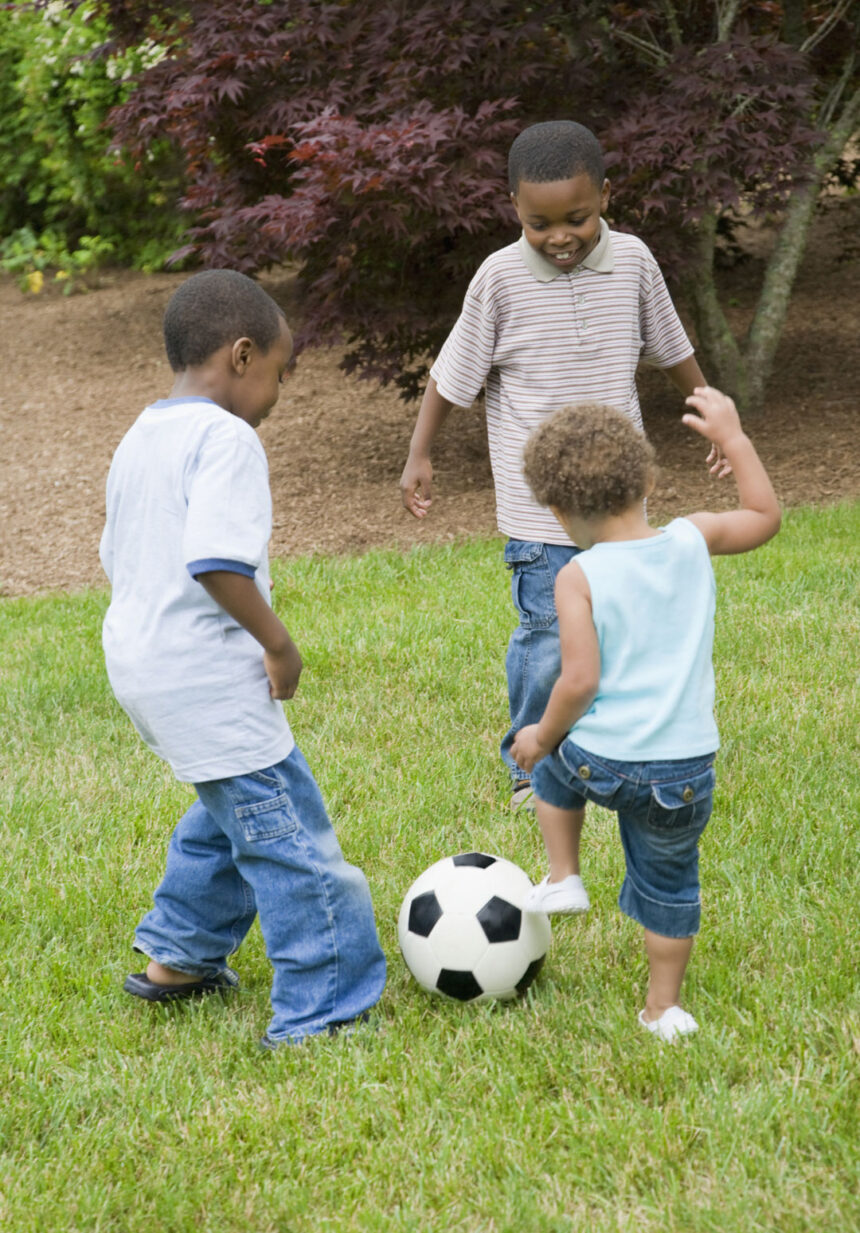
(271, 819)
(682, 802)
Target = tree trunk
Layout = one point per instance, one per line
(719, 354)
(769, 319)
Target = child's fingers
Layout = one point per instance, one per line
(417, 505)
(696, 422)
(416, 492)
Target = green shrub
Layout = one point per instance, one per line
(60, 180)
(30, 257)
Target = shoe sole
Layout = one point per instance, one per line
(140, 986)
(548, 910)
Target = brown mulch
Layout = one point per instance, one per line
(77, 370)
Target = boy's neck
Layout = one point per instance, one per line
(198, 383)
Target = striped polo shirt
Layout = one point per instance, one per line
(540, 338)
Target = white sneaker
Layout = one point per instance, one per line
(672, 1024)
(567, 896)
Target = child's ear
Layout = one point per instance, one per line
(240, 354)
(604, 196)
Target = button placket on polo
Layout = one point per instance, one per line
(578, 299)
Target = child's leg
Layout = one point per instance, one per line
(203, 907)
(315, 910)
(661, 819)
(533, 659)
(561, 830)
(562, 890)
(667, 963)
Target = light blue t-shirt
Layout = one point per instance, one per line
(188, 490)
(653, 604)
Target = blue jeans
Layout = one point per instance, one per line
(662, 809)
(262, 842)
(533, 660)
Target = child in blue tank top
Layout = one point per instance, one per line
(630, 723)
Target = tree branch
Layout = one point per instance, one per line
(720, 354)
(831, 102)
(767, 324)
(836, 14)
(671, 15)
(727, 11)
(651, 51)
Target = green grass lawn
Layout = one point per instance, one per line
(554, 1114)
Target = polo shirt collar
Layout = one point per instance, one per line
(599, 259)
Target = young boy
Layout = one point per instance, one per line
(199, 660)
(629, 723)
(563, 315)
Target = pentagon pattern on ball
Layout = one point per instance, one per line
(459, 985)
(500, 920)
(479, 859)
(424, 912)
(463, 932)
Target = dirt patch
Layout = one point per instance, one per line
(77, 370)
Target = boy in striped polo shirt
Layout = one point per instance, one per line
(563, 315)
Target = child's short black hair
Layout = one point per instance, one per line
(588, 461)
(555, 150)
(213, 308)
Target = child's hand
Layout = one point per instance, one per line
(283, 668)
(527, 750)
(718, 463)
(416, 487)
(758, 516)
(718, 420)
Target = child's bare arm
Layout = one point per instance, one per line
(416, 482)
(687, 377)
(237, 594)
(577, 684)
(759, 516)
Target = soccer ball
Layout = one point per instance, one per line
(463, 933)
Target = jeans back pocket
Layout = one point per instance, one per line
(682, 802)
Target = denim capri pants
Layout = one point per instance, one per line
(662, 809)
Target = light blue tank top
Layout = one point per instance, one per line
(653, 603)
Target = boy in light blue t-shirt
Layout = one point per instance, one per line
(199, 660)
(629, 723)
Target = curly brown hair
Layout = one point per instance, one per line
(588, 460)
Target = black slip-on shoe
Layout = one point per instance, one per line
(139, 984)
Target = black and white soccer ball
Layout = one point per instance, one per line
(463, 932)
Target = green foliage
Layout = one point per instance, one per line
(557, 1115)
(29, 257)
(59, 178)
